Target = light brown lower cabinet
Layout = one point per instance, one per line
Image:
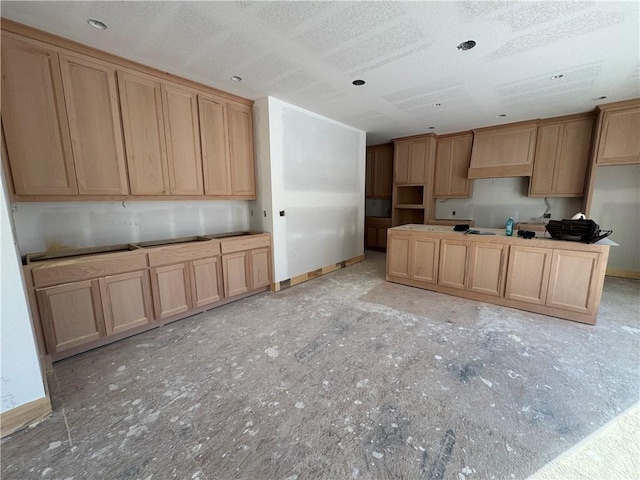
(83, 302)
(562, 279)
(375, 233)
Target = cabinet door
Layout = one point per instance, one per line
(443, 168)
(171, 290)
(418, 162)
(126, 301)
(206, 281)
(571, 168)
(398, 256)
(402, 152)
(382, 237)
(182, 133)
(215, 145)
(371, 236)
(34, 120)
(424, 259)
(572, 281)
(382, 171)
(487, 266)
(71, 315)
(142, 122)
(453, 264)
(91, 96)
(260, 272)
(548, 143)
(620, 137)
(243, 174)
(528, 274)
(369, 168)
(235, 274)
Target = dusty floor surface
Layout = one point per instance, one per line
(345, 376)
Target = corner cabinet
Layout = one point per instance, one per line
(505, 151)
(618, 140)
(561, 158)
(453, 154)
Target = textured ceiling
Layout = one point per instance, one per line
(308, 53)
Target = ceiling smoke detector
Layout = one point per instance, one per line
(236, 78)
(97, 24)
(358, 83)
(468, 45)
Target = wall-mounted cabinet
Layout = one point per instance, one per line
(505, 151)
(411, 161)
(453, 155)
(561, 158)
(379, 171)
(65, 115)
(619, 135)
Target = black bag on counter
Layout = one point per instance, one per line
(585, 231)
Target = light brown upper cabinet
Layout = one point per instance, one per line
(505, 151)
(144, 136)
(411, 161)
(227, 148)
(562, 154)
(619, 135)
(182, 133)
(34, 119)
(94, 122)
(453, 155)
(379, 171)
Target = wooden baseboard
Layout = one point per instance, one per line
(277, 286)
(618, 272)
(24, 415)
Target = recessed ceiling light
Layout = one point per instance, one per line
(236, 78)
(556, 77)
(436, 105)
(501, 115)
(358, 83)
(601, 97)
(97, 24)
(468, 45)
(432, 128)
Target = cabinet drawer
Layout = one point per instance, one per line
(66, 271)
(245, 243)
(184, 252)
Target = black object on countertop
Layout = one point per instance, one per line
(461, 227)
(526, 234)
(478, 232)
(585, 231)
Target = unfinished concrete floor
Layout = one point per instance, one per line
(345, 376)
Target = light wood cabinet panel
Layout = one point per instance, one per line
(235, 274)
(71, 314)
(379, 171)
(171, 290)
(453, 155)
(453, 264)
(215, 146)
(34, 120)
(243, 175)
(411, 161)
(376, 231)
(260, 272)
(126, 301)
(562, 154)
(143, 126)
(424, 257)
(620, 137)
(401, 163)
(528, 274)
(503, 151)
(91, 97)
(398, 256)
(182, 134)
(206, 281)
(572, 280)
(487, 268)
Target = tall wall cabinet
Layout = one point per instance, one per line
(81, 124)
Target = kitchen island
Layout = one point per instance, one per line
(551, 277)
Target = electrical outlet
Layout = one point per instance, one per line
(453, 213)
(547, 215)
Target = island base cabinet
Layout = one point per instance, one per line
(71, 314)
(487, 266)
(528, 275)
(398, 256)
(126, 301)
(171, 293)
(572, 281)
(453, 263)
(206, 281)
(424, 263)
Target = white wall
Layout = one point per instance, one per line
(496, 199)
(21, 379)
(616, 206)
(317, 173)
(44, 226)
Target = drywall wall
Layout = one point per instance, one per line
(44, 226)
(496, 199)
(20, 375)
(316, 172)
(616, 206)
